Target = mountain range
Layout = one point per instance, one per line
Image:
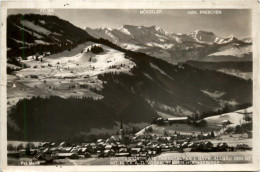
(172, 47)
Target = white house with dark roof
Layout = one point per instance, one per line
(177, 120)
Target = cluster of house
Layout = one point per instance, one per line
(124, 145)
(140, 146)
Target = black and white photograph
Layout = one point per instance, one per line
(124, 87)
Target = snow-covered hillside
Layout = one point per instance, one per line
(233, 51)
(236, 118)
(214, 123)
(238, 73)
(78, 65)
(74, 71)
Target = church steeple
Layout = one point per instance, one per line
(121, 125)
(121, 132)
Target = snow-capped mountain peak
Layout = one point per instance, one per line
(124, 30)
(101, 28)
(203, 36)
(150, 39)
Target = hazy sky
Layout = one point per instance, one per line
(230, 22)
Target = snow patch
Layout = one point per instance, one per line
(216, 94)
(161, 71)
(42, 21)
(110, 35)
(148, 76)
(161, 36)
(162, 40)
(131, 47)
(21, 42)
(55, 33)
(238, 73)
(124, 30)
(34, 27)
(163, 46)
(30, 32)
(41, 42)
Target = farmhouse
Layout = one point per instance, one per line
(135, 151)
(67, 155)
(177, 120)
(123, 154)
(122, 150)
(66, 149)
(226, 122)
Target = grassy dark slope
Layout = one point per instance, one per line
(243, 66)
(183, 86)
(57, 118)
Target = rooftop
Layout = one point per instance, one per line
(177, 118)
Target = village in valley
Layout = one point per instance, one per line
(138, 148)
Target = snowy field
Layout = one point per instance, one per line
(77, 63)
(214, 123)
(244, 75)
(235, 118)
(66, 74)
